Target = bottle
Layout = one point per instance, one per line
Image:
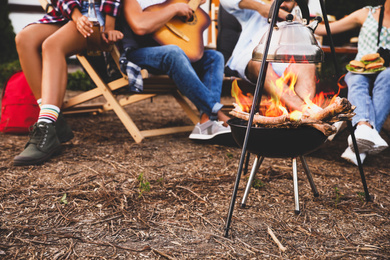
(94, 40)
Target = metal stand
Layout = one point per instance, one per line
(355, 147)
(257, 96)
(256, 165)
(350, 127)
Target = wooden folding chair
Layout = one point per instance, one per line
(153, 85)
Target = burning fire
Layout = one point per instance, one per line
(273, 105)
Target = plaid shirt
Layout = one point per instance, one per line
(62, 10)
(368, 35)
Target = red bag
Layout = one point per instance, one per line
(19, 108)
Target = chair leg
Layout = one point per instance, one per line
(256, 165)
(295, 182)
(309, 177)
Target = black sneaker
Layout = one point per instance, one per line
(42, 145)
(64, 132)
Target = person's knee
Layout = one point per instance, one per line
(50, 45)
(384, 75)
(174, 57)
(216, 56)
(25, 41)
(174, 52)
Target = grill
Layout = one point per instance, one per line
(283, 142)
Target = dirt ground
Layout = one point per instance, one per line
(107, 197)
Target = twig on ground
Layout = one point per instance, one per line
(276, 240)
(162, 253)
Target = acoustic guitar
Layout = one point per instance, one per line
(187, 34)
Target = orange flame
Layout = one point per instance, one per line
(243, 101)
(272, 106)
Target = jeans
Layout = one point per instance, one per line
(84, 11)
(200, 81)
(371, 96)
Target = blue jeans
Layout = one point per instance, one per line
(200, 81)
(84, 11)
(372, 107)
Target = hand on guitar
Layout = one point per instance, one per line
(183, 10)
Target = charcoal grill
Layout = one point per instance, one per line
(261, 141)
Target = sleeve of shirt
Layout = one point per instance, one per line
(230, 5)
(110, 7)
(66, 7)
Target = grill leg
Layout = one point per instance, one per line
(295, 181)
(256, 165)
(309, 177)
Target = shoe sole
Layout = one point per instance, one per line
(64, 139)
(377, 149)
(37, 161)
(207, 137)
(363, 145)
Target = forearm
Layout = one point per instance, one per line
(352, 21)
(76, 14)
(146, 22)
(109, 23)
(261, 8)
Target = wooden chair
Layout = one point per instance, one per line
(153, 85)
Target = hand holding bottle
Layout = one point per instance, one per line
(84, 26)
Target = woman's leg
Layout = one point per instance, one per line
(381, 98)
(359, 96)
(62, 43)
(29, 46)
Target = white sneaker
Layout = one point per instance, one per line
(209, 130)
(338, 126)
(350, 156)
(368, 140)
(379, 145)
(364, 138)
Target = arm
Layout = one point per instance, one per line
(111, 35)
(145, 22)
(352, 21)
(262, 8)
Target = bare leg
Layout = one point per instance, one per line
(28, 44)
(304, 87)
(63, 43)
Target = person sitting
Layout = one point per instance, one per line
(43, 47)
(373, 108)
(253, 17)
(200, 81)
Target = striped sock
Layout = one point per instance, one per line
(48, 114)
(39, 101)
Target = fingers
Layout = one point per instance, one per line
(112, 36)
(84, 26)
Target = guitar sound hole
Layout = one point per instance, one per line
(191, 21)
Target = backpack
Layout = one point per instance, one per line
(19, 108)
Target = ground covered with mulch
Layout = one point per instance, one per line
(107, 197)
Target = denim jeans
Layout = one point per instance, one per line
(371, 96)
(84, 11)
(200, 81)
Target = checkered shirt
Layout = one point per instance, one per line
(133, 72)
(62, 10)
(368, 36)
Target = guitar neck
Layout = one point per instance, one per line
(194, 4)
